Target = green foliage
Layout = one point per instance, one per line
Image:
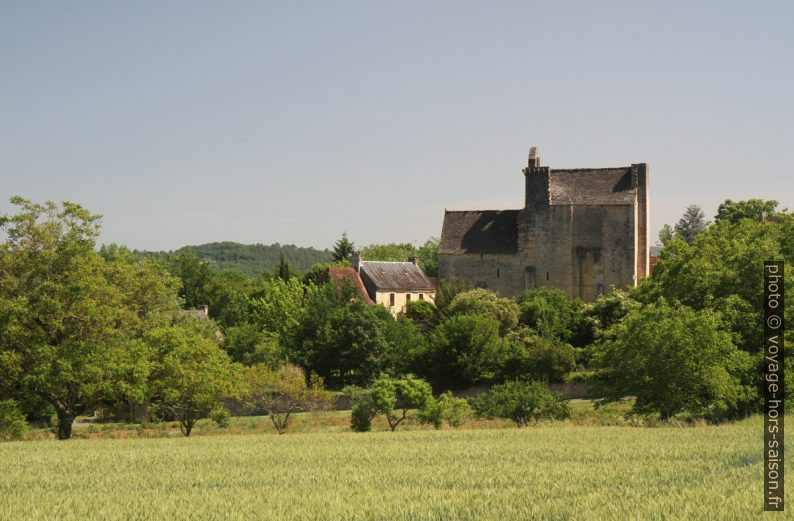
(552, 314)
(486, 303)
(420, 310)
(221, 416)
(193, 374)
(735, 211)
(362, 408)
(251, 259)
(455, 411)
(527, 355)
(691, 223)
(228, 297)
(666, 234)
(673, 359)
(463, 350)
(283, 392)
(68, 314)
(608, 310)
(721, 271)
(521, 402)
(427, 255)
(391, 252)
(350, 342)
(409, 392)
(195, 276)
(279, 307)
(343, 249)
(12, 422)
(249, 345)
(447, 290)
(283, 270)
(317, 274)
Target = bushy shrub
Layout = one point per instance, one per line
(221, 416)
(521, 402)
(363, 410)
(527, 355)
(455, 411)
(420, 310)
(485, 303)
(12, 421)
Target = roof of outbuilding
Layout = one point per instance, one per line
(481, 231)
(592, 186)
(395, 275)
(342, 273)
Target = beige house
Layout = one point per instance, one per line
(394, 284)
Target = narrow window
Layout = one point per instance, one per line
(421, 296)
(391, 300)
(547, 275)
(497, 273)
(407, 298)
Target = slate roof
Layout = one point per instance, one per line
(591, 186)
(339, 273)
(481, 231)
(403, 276)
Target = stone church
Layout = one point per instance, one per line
(581, 230)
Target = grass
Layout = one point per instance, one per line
(557, 471)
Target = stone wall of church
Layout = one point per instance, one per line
(503, 273)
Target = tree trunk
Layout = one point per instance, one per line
(64, 424)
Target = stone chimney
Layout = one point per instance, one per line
(413, 260)
(534, 157)
(356, 259)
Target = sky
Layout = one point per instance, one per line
(292, 122)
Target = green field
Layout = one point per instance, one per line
(554, 471)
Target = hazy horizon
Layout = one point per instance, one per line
(190, 123)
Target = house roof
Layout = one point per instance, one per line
(340, 273)
(395, 275)
(592, 186)
(480, 231)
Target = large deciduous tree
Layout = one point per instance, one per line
(66, 313)
(673, 359)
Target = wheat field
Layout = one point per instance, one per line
(551, 472)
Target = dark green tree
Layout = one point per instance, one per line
(673, 359)
(343, 249)
(283, 270)
(463, 350)
(691, 223)
(427, 255)
(521, 402)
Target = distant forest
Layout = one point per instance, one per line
(252, 259)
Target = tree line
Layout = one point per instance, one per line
(86, 328)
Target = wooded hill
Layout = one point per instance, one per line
(251, 258)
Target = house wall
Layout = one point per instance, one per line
(400, 299)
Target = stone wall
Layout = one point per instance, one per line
(503, 273)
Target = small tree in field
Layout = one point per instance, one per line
(521, 402)
(412, 393)
(455, 411)
(283, 391)
(193, 375)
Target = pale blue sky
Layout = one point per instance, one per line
(190, 122)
